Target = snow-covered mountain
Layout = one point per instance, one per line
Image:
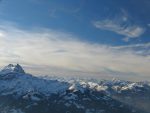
(12, 69)
(24, 93)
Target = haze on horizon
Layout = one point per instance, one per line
(102, 39)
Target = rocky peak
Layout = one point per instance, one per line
(13, 68)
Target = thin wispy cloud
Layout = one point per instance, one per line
(140, 49)
(49, 48)
(125, 29)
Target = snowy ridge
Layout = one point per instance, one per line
(27, 83)
(21, 83)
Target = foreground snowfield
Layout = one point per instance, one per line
(25, 93)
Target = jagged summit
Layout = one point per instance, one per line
(13, 68)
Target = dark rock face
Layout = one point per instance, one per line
(19, 69)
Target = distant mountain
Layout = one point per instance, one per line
(24, 93)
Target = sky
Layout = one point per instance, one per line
(86, 38)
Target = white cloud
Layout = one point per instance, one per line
(48, 49)
(129, 31)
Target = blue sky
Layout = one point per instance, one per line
(95, 30)
(78, 17)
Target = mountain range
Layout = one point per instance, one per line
(21, 92)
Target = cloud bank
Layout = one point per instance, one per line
(43, 51)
